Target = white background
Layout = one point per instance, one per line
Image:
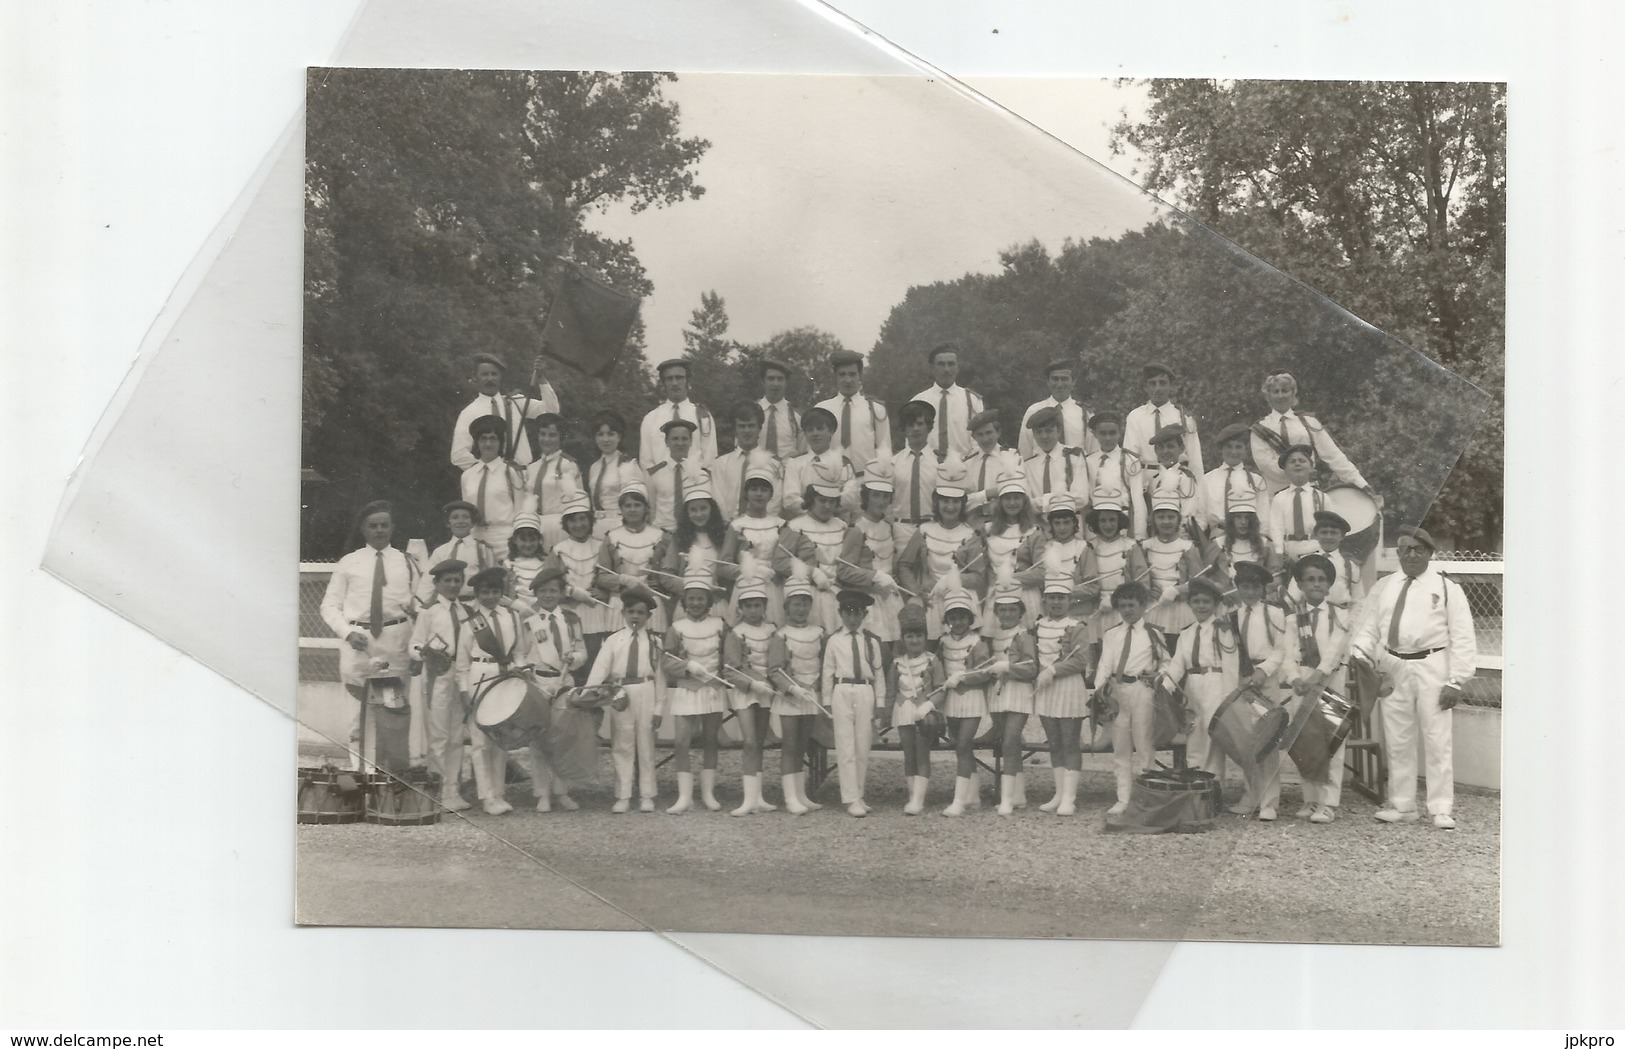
(140, 886)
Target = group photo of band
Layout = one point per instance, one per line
(920, 575)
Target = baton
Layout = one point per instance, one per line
(860, 568)
(794, 683)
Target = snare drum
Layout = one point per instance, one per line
(512, 711)
(1360, 511)
(409, 799)
(327, 795)
(1325, 730)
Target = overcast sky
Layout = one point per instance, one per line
(827, 197)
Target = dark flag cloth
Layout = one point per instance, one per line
(1170, 801)
(1170, 715)
(1323, 732)
(588, 322)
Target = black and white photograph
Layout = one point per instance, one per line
(831, 505)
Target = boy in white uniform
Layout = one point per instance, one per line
(1131, 655)
(1053, 467)
(1059, 376)
(1158, 411)
(1261, 642)
(629, 658)
(1113, 466)
(1232, 482)
(557, 650)
(495, 486)
(986, 463)
(851, 680)
(1318, 662)
(499, 640)
(673, 376)
(1206, 660)
(462, 546)
(953, 406)
(441, 630)
(1290, 527)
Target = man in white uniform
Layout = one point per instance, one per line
(955, 405)
(1159, 411)
(1417, 632)
(676, 406)
(781, 424)
(1060, 377)
(862, 428)
(513, 408)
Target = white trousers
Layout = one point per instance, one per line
(490, 765)
(1205, 692)
(853, 707)
(443, 730)
(1133, 730)
(632, 742)
(1414, 705)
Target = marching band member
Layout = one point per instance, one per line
(729, 471)
(821, 458)
(1170, 478)
(369, 604)
(524, 559)
(914, 470)
(1110, 559)
(1345, 592)
(928, 565)
(1232, 481)
(1240, 541)
(1285, 427)
(462, 546)
(1261, 641)
(675, 472)
(629, 551)
(986, 463)
(1113, 466)
(869, 552)
(912, 684)
(586, 595)
(1053, 468)
(1061, 690)
(796, 699)
(557, 650)
(1012, 524)
(498, 640)
(1205, 666)
(816, 537)
(963, 655)
(1075, 433)
(781, 430)
(436, 637)
(1417, 632)
(676, 406)
(1010, 693)
(852, 673)
(752, 654)
(1317, 660)
(552, 478)
(1131, 654)
(610, 472)
(1173, 561)
(1292, 511)
(1158, 411)
(630, 658)
(693, 548)
(1056, 553)
(750, 547)
(511, 410)
(862, 429)
(495, 486)
(692, 660)
(953, 405)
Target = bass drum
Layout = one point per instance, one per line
(328, 795)
(512, 711)
(1360, 511)
(410, 799)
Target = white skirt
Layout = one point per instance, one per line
(906, 712)
(786, 705)
(969, 703)
(692, 702)
(1066, 697)
(1012, 697)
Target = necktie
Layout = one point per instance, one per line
(1285, 440)
(846, 423)
(744, 464)
(1314, 622)
(494, 409)
(1229, 472)
(981, 475)
(857, 656)
(1196, 659)
(1046, 473)
(1399, 610)
(376, 624)
(1246, 660)
(914, 483)
(773, 428)
(942, 427)
(632, 658)
(558, 641)
(1122, 657)
(677, 490)
(455, 549)
(1297, 513)
(676, 411)
(598, 485)
(496, 631)
(479, 498)
(541, 487)
(1156, 420)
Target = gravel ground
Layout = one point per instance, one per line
(826, 873)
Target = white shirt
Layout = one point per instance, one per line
(1059, 463)
(961, 404)
(902, 500)
(1278, 526)
(982, 471)
(1245, 484)
(551, 478)
(606, 477)
(652, 442)
(511, 408)
(1435, 616)
(1330, 627)
(786, 428)
(1300, 429)
(474, 553)
(610, 666)
(1121, 469)
(1142, 657)
(727, 475)
(1075, 431)
(1143, 422)
(870, 429)
(348, 600)
(505, 491)
(664, 499)
(1179, 482)
(797, 470)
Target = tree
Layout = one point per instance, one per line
(1390, 198)
(438, 205)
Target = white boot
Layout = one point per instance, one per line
(961, 792)
(916, 795)
(1060, 787)
(753, 794)
(708, 789)
(801, 792)
(1069, 801)
(1021, 790)
(685, 793)
(973, 793)
(1007, 795)
(792, 803)
(762, 804)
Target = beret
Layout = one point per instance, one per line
(1235, 431)
(768, 364)
(672, 362)
(1050, 416)
(1156, 368)
(488, 424)
(1171, 432)
(853, 599)
(1420, 534)
(451, 564)
(842, 357)
(982, 419)
(490, 358)
(491, 577)
(1320, 561)
(1203, 586)
(460, 504)
(1280, 460)
(1060, 366)
(1253, 572)
(1327, 517)
(1107, 416)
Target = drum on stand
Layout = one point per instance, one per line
(329, 795)
(512, 710)
(405, 800)
(1328, 725)
(1164, 801)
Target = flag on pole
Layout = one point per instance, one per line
(588, 322)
